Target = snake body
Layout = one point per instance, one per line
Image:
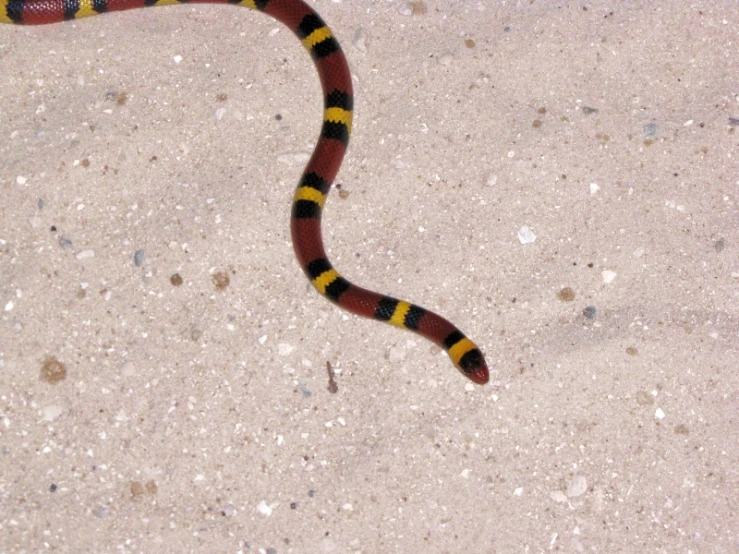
(318, 175)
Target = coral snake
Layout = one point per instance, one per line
(318, 175)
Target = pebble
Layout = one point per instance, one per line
(395, 354)
(526, 235)
(649, 130)
(360, 40)
(50, 413)
(264, 508)
(608, 276)
(85, 254)
(285, 349)
(578, 485)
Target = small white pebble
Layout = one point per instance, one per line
(128, 369)
(405, 9)
(659, 414)
(50, 413)
(526, 235)
(594, 188)
(465, 473)
(177, 59)
(360, 40)
(284, 349)
(608, 276)
(446, 59)
(85, 254)
(262, 339)
(21, 180)
(264, 509)
(395, 354)
(9, 306)
(518, 491)
(578, 485)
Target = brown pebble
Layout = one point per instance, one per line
(644, 398)
(566, 294)
(221, 280)
(53, 371)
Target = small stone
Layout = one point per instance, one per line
(53, 371)
(649, 130)
(526, 235)
(644, 398)
(128, 369)
(264, 509)
(608, 276)
(578, 485)
(137, 488)
(395, 354)
(360, 40)
(285, 349)
(83, 254)
(50, 413)
(589, 312)
(566, 294)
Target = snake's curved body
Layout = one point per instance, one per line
(318, 175)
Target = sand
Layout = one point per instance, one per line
(163, 360)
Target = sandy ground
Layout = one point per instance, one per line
(163, 379)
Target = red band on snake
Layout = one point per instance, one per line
(318, 175)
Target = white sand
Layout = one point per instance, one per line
(193, 419)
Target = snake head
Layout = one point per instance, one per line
(473, 366)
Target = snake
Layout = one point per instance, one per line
(318, 175)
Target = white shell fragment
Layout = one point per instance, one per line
(526, 235)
